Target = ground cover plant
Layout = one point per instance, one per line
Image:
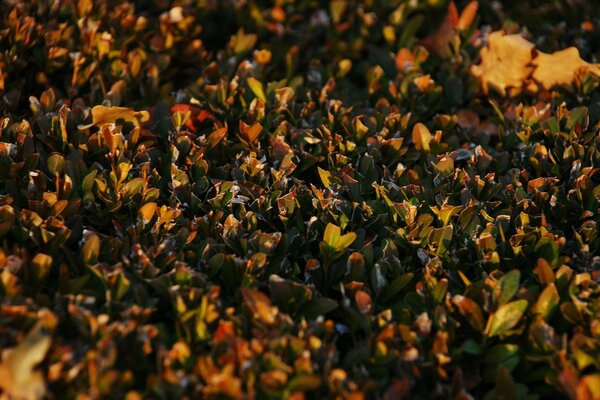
(299, 199)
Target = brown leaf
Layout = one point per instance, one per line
(505, 63)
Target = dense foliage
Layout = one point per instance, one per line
(299, 199)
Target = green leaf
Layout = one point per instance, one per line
(396, 286)
(56, 163)
(318, 306)
(508, 286)
(547, 302)
(506, 317)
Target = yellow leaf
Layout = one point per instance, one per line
(325, 176)
(109, 115)
(505, 63)
(421, 137)
(332, 234)
(560, 68)
(17, 378)
(257, 88)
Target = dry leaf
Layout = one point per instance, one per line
(560, 68)
(109, 115)
(17, 377)
(505, 63)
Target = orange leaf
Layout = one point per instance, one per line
(439, 41)
(259, 304)
(250, 133)
(363, 302)
(505, 63)
(216, 137)
(404, 59)
(109, 115)
(560, 68)
(467, 16)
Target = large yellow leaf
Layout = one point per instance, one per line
(560, 68)
(109, 115)
(505, 63)
(17, 378)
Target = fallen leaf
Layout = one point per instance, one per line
(505, 63)
(561, 68)
(109, 115)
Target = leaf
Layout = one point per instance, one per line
(544, 272)
(396, 286)
(561, 68)
(468, 15)
(470, 311)
(56, 163)
(318, 306)
(41, 264)
(250, 133)
(260, 305)
(507, 286)
(502, 354)
(506, 317)
(91, 249)
(216, 137)
(147, 212)
(109, 115)
(325, 176)
(17, 377)
(364, 303)
(547, 302)
(257, 88)
(332, 234)
(505, 63)
(440, 41)
(345, 241)
(421, 137)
